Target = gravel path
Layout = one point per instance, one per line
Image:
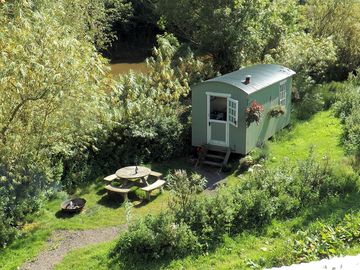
(62, 242)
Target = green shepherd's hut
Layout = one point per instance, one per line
(242, 109)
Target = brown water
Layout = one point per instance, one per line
(121, 68)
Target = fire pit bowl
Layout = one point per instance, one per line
(73, 205)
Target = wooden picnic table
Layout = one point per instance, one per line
(134, 173)
(130, 172)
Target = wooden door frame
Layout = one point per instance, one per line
(226, 123)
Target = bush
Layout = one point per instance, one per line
(260, 153)
(351, 135)
(262, 195)
(329, 92)
(309, 105)
(245, 163)
(153, 238)
(347, 108)
(209, 218)
(346, 101)
(327, 241)
(22, 190)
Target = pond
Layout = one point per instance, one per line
(121, 68)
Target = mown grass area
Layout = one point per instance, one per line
(94, 257)
(100, 211)
(323, 132)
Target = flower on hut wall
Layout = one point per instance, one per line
(253, 113)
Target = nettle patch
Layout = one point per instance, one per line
(327, 240)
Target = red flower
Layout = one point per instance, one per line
(253, 113)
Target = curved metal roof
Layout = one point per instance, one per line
(262, 75)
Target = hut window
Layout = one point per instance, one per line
(233, 112)
(218, 108)
(282, 94)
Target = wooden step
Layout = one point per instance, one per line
(212, 163)
(216, 148)
(215, 156)
(226, 159)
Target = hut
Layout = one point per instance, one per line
(241, 109)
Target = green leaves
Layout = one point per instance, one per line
(325, 241)
(234, 33)
(53, 101)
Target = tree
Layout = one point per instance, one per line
(338, 20)
(53, 99)
(234, 32)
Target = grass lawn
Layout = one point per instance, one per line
(322, 131)
(100, 211)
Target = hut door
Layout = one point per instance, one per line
(218, 126)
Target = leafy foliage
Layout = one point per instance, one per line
(339, 21)
(347, 108)
(184, 189)
(263, 195)
(53, 101)
(325, 241)
(233, 32)
(151, 111)
(155, 238)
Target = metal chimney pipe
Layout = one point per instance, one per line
(247, 79)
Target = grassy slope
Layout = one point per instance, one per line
(323, 132)
(100, 211)
(270, 246)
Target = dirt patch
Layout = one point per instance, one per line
(63, 241)
(213, 176)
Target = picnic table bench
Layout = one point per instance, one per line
(158, 184)
(110, 178)
(134, 173)
(123, 191)
(155, 174)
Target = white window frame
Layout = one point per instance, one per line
(282, 93)
(232, 113)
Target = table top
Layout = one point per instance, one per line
(130, 172)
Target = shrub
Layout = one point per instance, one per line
(351, 134)
(261, 196)
(245, 163)
(325, 240)
(347, 108)
(309, 105)
(260, 153)
(153, 238)
(184, 189)
(209, 218)
(22, 190)
(329, 92)
(346, 101)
